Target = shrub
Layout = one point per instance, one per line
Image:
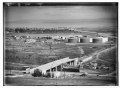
(37, 73)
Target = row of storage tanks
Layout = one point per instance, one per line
(88, 40)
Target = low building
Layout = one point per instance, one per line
(105, 39)
(30, 40)
(91, 40)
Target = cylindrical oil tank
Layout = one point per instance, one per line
(72, 40)
(84, 40)
(97, 40)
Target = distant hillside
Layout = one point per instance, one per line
(112, 30)
(100, 30)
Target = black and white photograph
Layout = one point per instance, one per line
(60, 44)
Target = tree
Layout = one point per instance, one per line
(37, 73)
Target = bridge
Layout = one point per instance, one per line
(57, 65)
(53, 66)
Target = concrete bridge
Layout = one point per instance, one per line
(56, 65)
(59, 64)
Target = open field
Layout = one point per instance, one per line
(37, 55)
(40, 53)
(83, 81)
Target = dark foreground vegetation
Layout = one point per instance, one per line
(83, 81)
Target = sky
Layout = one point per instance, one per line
(61, 16)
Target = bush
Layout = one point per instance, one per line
(37, 73)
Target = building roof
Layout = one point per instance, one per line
(54, 64)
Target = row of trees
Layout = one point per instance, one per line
(39, 30)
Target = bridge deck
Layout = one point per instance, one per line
(54, 64)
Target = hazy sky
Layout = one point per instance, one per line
(55, 16)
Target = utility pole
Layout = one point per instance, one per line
(80, 65)
(51, 71)
(50, 48)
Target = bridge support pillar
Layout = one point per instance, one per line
(56, 68)
(61, 67)
(51, 72)
(70, 62)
